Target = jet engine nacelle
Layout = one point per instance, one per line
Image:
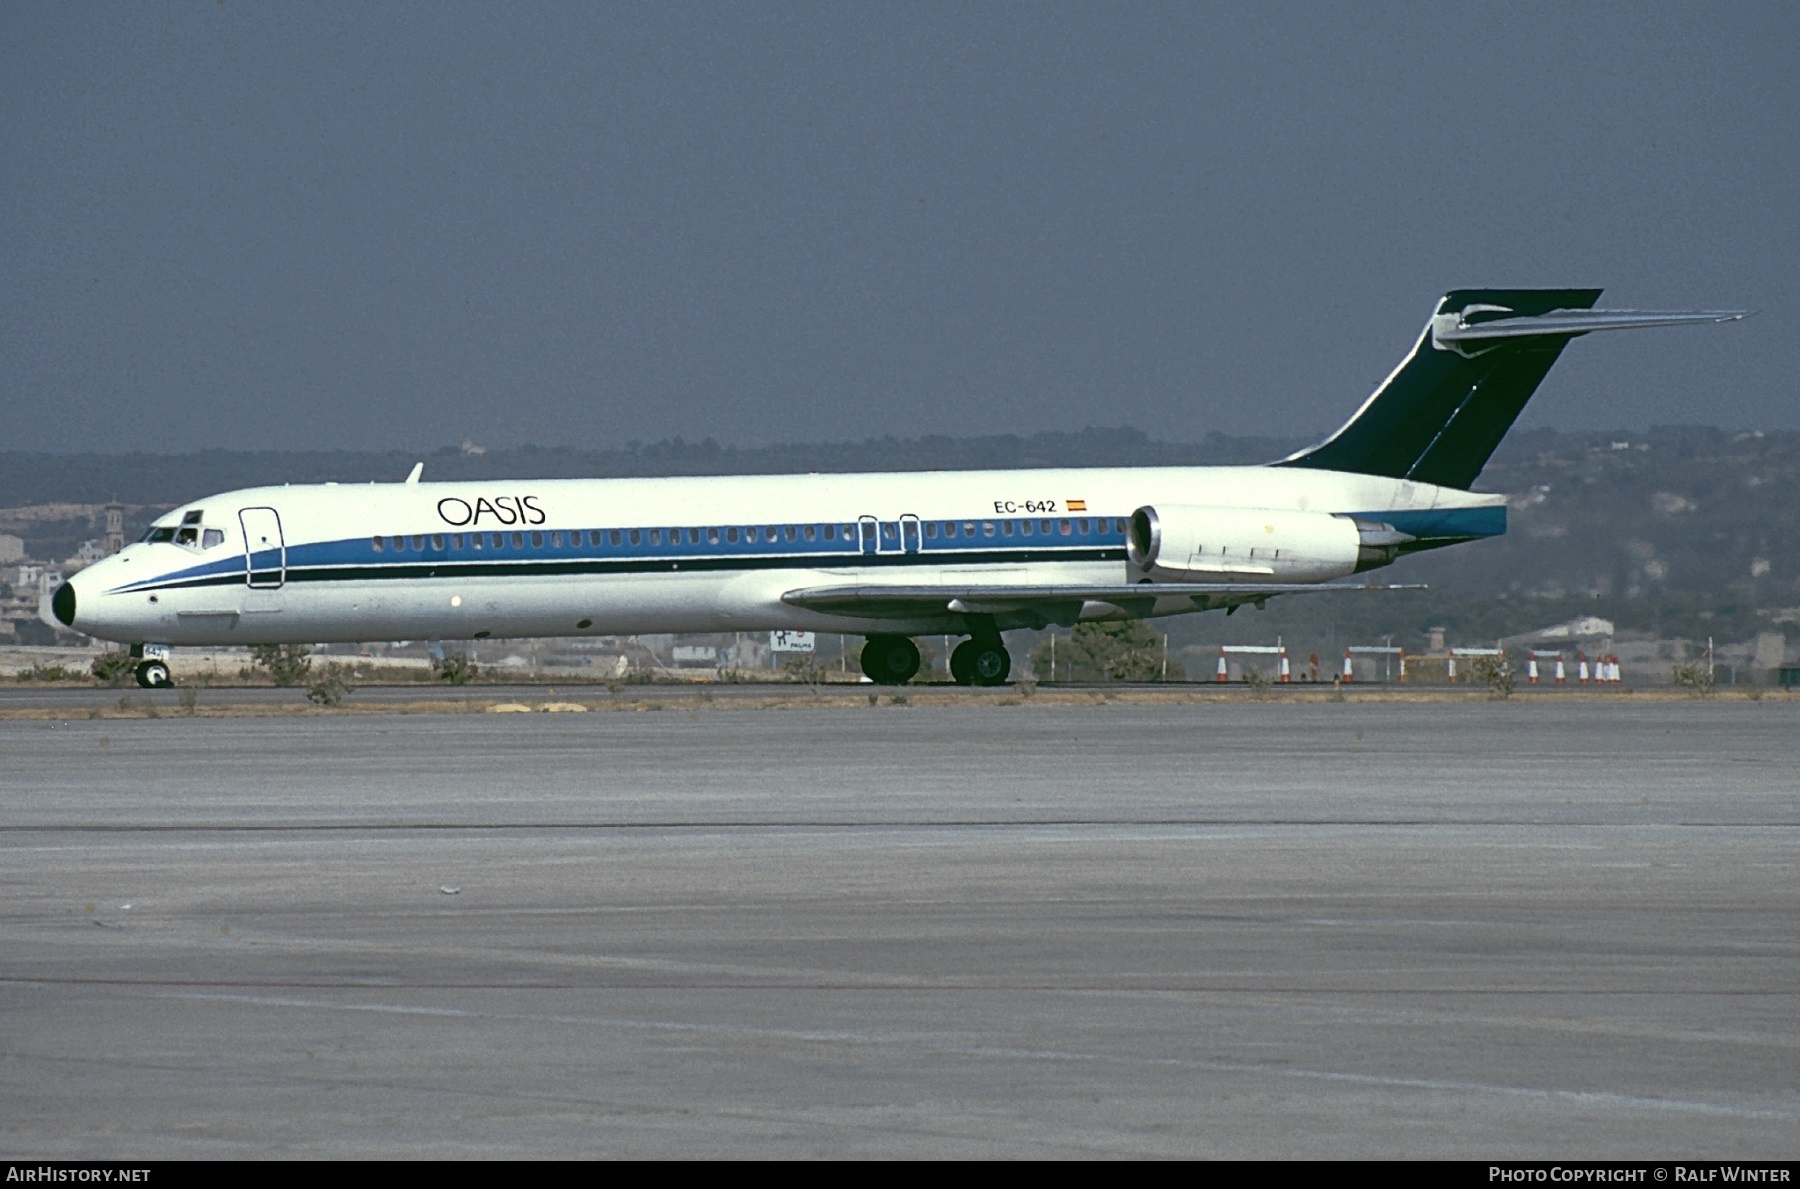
(1185, 543)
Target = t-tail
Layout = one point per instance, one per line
(1441, 414)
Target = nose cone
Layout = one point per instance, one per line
(62, 604)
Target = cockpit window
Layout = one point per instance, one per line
(211, 537)
(158, 535)
(187, 535)
(191, 518)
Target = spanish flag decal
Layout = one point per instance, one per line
(1075, 505)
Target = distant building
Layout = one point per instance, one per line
(89, 553)
(1586, 631)
(115, 527)
(12, 549)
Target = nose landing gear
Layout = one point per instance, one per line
(153, 665)
(154, 675)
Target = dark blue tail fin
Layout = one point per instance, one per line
(1439, 417)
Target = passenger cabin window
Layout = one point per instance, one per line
(378, 544)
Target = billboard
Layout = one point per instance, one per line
(791, 641)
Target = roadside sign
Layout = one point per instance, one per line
(791, 641)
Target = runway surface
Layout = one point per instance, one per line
(1479, 929)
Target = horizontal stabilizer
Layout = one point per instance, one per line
(1467, 328)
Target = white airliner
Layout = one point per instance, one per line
(886, 556)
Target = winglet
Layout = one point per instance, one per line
(413, 475)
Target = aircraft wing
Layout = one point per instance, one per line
(1141, 599)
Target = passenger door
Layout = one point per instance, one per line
(265, 553)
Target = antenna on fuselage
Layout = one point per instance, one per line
(413, 475)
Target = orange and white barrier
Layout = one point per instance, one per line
(1531, 664)
(1378, 650)
(1277, 650)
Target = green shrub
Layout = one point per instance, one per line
(1495, 673)
(288, 664)
(457, 668)
(1696, 678)
(113, 668)
(332, 687)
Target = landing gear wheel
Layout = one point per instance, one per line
(890, 660)
(962, 663)
(975, 663)
(154, 675)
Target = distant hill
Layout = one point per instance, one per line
(169, 479)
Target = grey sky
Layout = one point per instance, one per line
(370, 225)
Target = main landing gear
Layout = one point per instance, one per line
(980, 662)
(890, 660)
(894, 660)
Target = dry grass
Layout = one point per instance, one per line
(800, 699)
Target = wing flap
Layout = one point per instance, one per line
(1141, 598)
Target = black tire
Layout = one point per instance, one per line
(962, 663)
(890, 660)
(991, 664)
(975, 663)
(154, 675)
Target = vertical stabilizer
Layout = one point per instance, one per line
(1439, 417)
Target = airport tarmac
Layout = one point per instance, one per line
(1544, 929)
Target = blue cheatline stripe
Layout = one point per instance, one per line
(354, 559)
(687, 565)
